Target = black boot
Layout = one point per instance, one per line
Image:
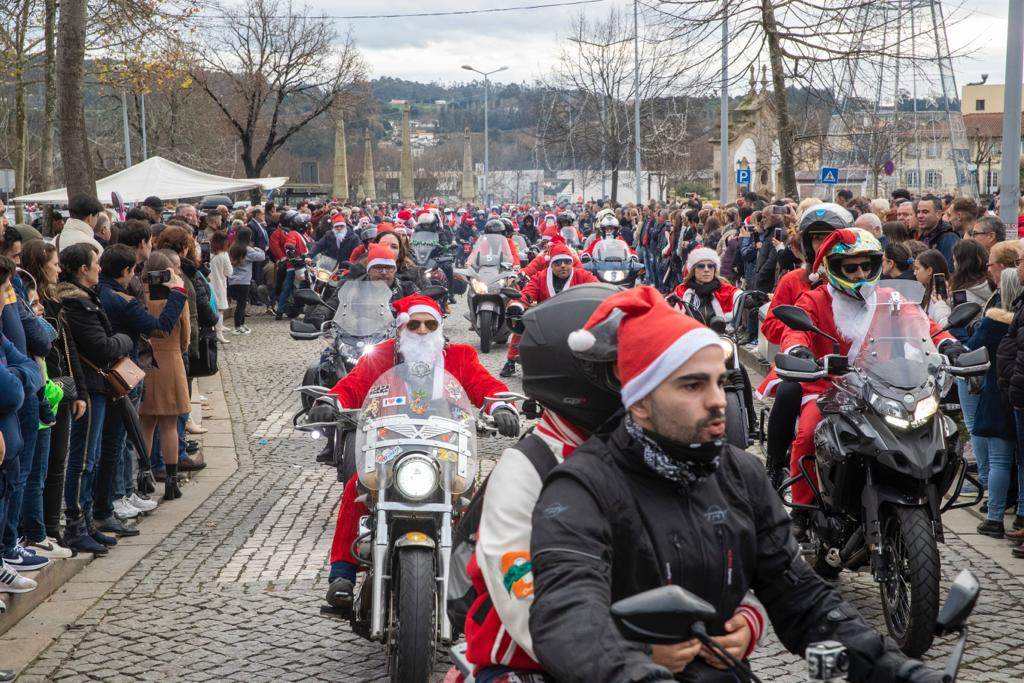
(76, 538)
(96, 534)
(339, 594)
(508, 369)
(171, 490)
(115, 526)
(326, 456)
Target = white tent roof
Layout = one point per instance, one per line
(160, 177)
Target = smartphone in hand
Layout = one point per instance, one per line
(939, 286)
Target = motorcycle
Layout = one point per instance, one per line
(526, 253)
(886, 455)
(432, 256)
(489, 276)
(671, 614)
(571, 236)
(611, 262)
(415, 453)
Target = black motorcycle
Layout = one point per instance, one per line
(433, 257)
(611, 262)
(886, 454)
(490, 278)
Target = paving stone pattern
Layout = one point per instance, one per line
(234, 592)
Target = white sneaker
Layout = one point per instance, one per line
(246, 330)
(49, 547)
(141, 504)
(238, 331)
(13, 582)
(125, 510)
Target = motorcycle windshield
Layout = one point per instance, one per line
(490, 251)
(325, 262)
(364, 309)
(422, 245)
(416, 414)
(897, 347)
(611, 249)
(521, 244)
(569, 234)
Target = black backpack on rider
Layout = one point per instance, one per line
(461, 593)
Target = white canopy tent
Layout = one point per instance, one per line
(162, 178)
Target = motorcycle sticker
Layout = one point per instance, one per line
(371, 410)
(445, 455)
(379, 391)
(419, 369)
(419, 402)
(387, 454)
(393, 401)
(454, 389)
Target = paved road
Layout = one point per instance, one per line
(234, 592)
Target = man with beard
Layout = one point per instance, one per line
(420, 340)
(661, 499)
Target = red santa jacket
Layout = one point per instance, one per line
(280, 239)
(460, 361)
(357, 253)
(787, 291)
(540, 262)
(541, 286)
(590, 249)
(723, 303)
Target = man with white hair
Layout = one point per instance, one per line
(880, 207)
(870, 222)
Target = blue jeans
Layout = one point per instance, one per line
(83, 457)
(28, 418)
(111, 448)
(33, 526)
(286, 290)
(1000, 460)
(979, 444)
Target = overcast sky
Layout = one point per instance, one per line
(434, 48)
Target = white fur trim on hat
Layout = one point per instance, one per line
(561, 257)
(702, 254)
(581, 340)
(422, 308)
(664, 365)
(381, 262)
(402, 318)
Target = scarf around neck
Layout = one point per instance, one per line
(688, 465)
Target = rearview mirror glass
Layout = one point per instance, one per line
(963, 595)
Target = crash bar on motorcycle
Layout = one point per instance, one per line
(805, 475)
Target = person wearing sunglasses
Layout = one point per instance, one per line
(851, 260)
(703, 291)
(420, 339)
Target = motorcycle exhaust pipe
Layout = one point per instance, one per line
(854, 553)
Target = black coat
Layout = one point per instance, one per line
(605, 528)
(1010, 358)
(93, 336)
(328, 246)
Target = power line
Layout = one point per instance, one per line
(491, 10)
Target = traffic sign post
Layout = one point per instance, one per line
(829, 175)
(743, 176)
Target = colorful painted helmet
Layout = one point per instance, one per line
(839, 246)
(821, 219)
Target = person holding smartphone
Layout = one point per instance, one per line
(931, 271)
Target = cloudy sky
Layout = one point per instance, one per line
(434, 48)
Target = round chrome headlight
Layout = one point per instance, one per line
(416, 477)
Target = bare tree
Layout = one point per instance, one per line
(272, 68)
(74, 143)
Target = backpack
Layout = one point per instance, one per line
(461, 593)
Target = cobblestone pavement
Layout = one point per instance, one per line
(234, 592)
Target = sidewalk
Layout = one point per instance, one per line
(68, 588)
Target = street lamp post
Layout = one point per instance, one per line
(487, 142)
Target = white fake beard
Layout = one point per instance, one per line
(853, 317)
(422, 348)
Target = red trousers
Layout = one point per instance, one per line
(347, 527)
(803, 445)
(513, 347)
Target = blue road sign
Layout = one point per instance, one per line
(743, 176)
(829, 175)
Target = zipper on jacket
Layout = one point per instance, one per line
(727, 558)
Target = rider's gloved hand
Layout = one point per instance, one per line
(801, 352)
(952, 350)
(507, 421)
(515, 309)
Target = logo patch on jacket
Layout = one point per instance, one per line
(716, 515)
(515, 567)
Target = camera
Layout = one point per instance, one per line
(158, 277)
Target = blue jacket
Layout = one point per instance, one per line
(19, 376)
(29, 333)
(128, 315)
(944, 239)
(994, 417)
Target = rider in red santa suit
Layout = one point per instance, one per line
(702, 289)
(541, 260)
(607, 229)
(420, 339)
(852, 260)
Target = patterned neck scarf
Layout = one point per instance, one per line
(687, 464)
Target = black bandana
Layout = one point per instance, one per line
(684, 464)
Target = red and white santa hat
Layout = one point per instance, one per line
(651, 339)
(559, 251)
(407, 306)
(380, 255)
(405, 215)
(701, 254)
(339, 218)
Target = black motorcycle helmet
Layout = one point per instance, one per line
(285, 221)
(495, 226)
(510, 229)
(821, 219)
(552, 375)
(565, 218)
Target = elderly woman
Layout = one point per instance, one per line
(703, 290)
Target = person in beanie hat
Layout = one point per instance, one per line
(421, 339)
(561, 273)
(703, 290)
(659, 498)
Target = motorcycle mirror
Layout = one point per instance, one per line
(962, 314)
(303, 330)
(585, 257)
(661, 616)
(960, 601)
(511, 293)
(434, 292)
(307, 297)
(717, 324)
(794, 318)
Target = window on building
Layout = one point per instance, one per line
(933, 148)
(309, 172)
(910, 179)
(979, 105)
(933, 179)
(992, 183)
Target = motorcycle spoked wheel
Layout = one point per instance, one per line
(485, 328)
(412, 644)
(910, 597)
(736, 426)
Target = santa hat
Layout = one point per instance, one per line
(404, 215)
(649, 339)
(559, 251)
(338, 218)
(702, 254)
(549, 218)
(834, 238)
(380, 255)
(407, 306)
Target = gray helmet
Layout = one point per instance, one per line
(821, 219)
(495, 226)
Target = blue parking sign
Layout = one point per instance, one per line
(829, 175)
(743, 176)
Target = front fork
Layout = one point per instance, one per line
(873, 524)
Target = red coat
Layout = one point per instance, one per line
(787, 291)
(540, 262)
(724, 298)
(541, 287)
(280, 239)
(460, 361)
(357, 253)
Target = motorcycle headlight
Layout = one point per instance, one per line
(614, 275)
(416, 477)
(367, 349)
(479, 286)
(925, 408)
(893, 411)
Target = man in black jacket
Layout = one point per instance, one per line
(661, 500)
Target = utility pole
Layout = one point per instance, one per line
(1009, 175)
(723, 153)
(142, 117)
(636, 98)
(487, 140)
(124, 124)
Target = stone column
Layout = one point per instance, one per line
(468, 178)
(369, 187)
(406, 191)
(340, 181)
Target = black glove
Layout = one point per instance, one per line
(952, 350)
(507, 421)
(515, 309)
(321, 412)
(801, 352)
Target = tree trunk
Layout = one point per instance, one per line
(49, 96)
(784, 122)
(615, 184)
(20, 136)
(252, 170)
(74, 143)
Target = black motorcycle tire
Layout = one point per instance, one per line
(912, 527)
(311, 377)
(736, 426)
(414, 625)
(485, 327)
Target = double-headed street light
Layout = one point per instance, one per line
(487, 151)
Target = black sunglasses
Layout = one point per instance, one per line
(704, 266)
(414, 325)
(860, 266)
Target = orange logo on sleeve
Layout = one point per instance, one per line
(515, 567)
